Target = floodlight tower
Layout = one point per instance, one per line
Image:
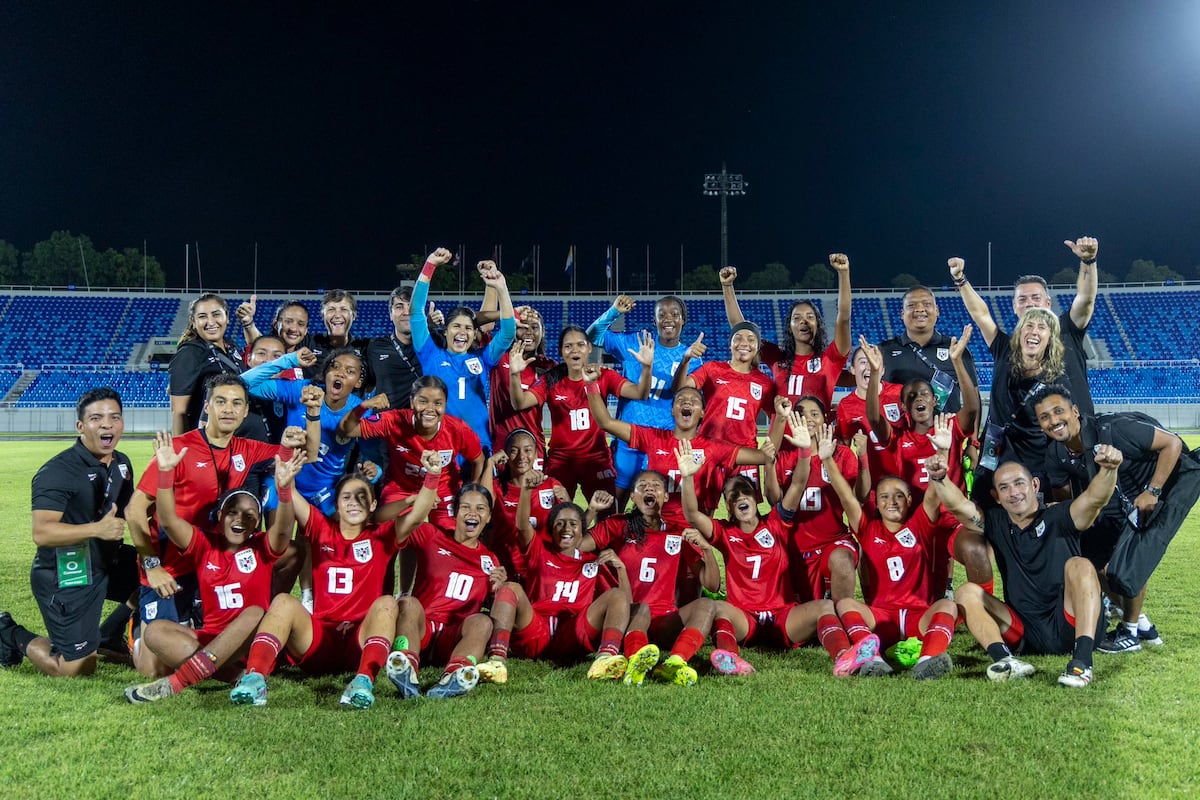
(724, 185)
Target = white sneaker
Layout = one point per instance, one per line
(1009, 668)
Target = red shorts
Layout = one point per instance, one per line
(812, 578)
(556, 638)
(439, 641)
(895, 625)
(769, 627)
(591, 474)
(334, 648)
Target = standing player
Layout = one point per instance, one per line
(504, 418)
(77, 500)
(670, 317)
(391, 361)
(804, 365)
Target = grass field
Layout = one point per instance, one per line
(790, 730)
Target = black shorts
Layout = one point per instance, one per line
(72, 616)
(1053, 634)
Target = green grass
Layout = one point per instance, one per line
(790, 730)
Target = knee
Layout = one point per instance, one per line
(77, 669)
(969, 595)
(477, 625)
(384, 606)
(1081, 572)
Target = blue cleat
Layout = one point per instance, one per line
(456, 683)
(360, 693)
(251, 690)
(402, 675)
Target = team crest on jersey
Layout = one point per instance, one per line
(764, 538)
(124, 470)
(590, 570)
(239, 462)
(362, 551)
(246, 561)
(814, 364)
(673, 545)
(906, 538)
(756, 391)
(943, 353)
(487, 564)
(824, 474)
(150, 610)
(546, 498)
(1040, 529)
(447, 456)
(474, 366)
(892, 411)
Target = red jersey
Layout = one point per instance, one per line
(720, 459)
(819, 515)
(452, 577)
(756, 564)
(573, 432)
(347, 573)
(653, 565)
(796, 377)
(200, 478)
(560, 582)
(907, 450)
(732, 401)
(231, 581)
(896, 566)
(506, 541)
(852, 411)
(452, 438)
(504, 419)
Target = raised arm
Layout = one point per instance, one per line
(623, 304)
(420, 295)
(841, 328)
(529, 481)
(682, 379)
(733, 312)
(968, 414)
(801, 440)
(644, 356)
(710, 571)
(349, 427)
(245, 318)
(826, 448)
(878, 422)
(689, 463)
(598, 405)
(312, 397)
(976, 305)
(952, 497)
(1087, 507)
(425, 500)
(520, 397)
(178, 530)
(1088, 283)
(279, 535)
(494, 280)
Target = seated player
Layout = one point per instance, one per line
(351, 625)
(652, 550)
(761, 607)
(899, 543)
(234, 568)
(563, 616)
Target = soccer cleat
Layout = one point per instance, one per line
(1119, 640)
(402, 675)
(642, 662)
(607, 667)
(875, 668)
(150, 692)
(10, 656)
(935, 667)
(456, 683)
(852, 658)
(359, 693)
(1076, 675)
(675, 670)
(1009, 668)
(1150, 636)
(251, 690)
(493, 671)
(727, 662)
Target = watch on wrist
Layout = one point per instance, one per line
(151, 562)
(1154, 490)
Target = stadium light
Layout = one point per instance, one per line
(722, 184)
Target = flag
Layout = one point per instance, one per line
(608, 264)
(528, 260)
(570, 259)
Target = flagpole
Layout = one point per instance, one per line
(187, 267)
(681, 266)
(647, 269)
(617, 271)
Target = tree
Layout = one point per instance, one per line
(817, 276)
(1143, 271)
(772, 276)
(10, 263)
(700, 279)
(1068, 277)
(59, 260)
(133, 269)
(905, 280)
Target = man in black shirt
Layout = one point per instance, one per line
(1051, 593)
(78, 497)
(1157, 485)
(391, 361)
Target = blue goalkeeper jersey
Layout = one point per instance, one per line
(655, 410)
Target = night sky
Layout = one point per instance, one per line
(343, 139)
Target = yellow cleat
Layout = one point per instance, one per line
(642, 662)
(607, 668)
(675, 670)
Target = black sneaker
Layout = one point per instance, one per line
(1119, 640)
(10, 656)
(1150, 636)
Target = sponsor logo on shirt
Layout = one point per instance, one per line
(124, 470)
(92, 477)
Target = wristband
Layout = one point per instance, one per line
(591, 388)
(960, 282)
(428, 270)
(358, 411)
(285, 493)
(1090, 263)
(166, 479)
(312, 418)
(431, 480)
(804, 452)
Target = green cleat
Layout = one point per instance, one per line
(675, 670)
(642, 662)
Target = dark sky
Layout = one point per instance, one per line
(343, 139)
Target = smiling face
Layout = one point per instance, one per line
(239, 519)
(210, 320)
(355, 502)
(860, 367)
(814, 417)
(471, 516)
(1058, 417)
(668, 321)
(460, 334)
(742, 505)
(688, 409)
(1035, 335)
(338, 316)
(227, 408)
(892, 498)
(530, 333)
(292, 326)
(919, 313)
(101, 428)
(920, 402)
(343, 375)
(429, 406)
(1015, 490)
(802, 322)
(522, 454)
(649, 494)
(743, 347)
(1030, 295)
(266, 348)
(566, 530)
(401, 315)
(574, 349)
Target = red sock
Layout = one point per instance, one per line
(374, 653)
(832, 635)
(937, 637)
(415, 657)
(634, 641)
(610, 642)
(457, 663)
(264, 651)
(856, 626)
(989, 587)
(201, 665)
(498, 646)
(687, 643)
(723, 636)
